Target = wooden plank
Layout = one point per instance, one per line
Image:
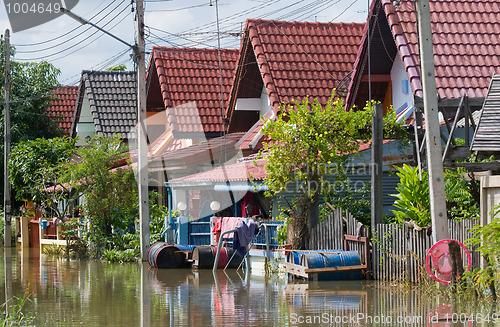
(295, 270)
(452, 102)
(332, 269)
(474, 166)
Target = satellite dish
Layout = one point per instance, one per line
(438, 262)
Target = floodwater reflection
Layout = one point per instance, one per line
(90, 293)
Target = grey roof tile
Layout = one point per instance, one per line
(113, 100)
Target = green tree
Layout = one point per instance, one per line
(308, 143)
(31, 85)
(110, 193)
(38, 164)
(119, 68)
(413, 196)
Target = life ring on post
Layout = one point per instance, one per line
(438, 257)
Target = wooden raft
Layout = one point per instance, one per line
(304, 272)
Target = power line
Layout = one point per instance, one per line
(177, 9)
(67, 33)
(74, 37)
(71, 47)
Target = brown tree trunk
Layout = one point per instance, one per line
(297, 229)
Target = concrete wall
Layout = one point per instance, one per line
(490, 196)
(401, 88)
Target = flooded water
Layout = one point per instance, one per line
(90, 293)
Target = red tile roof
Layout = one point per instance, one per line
(299, 59)
(62, 106)
(240, 171)
(466, 44)
(190, 86)
(210, 151)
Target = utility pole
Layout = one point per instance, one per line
(142, 147)
(142, 155)
(377, 165)
(435, 166)
(6, 141)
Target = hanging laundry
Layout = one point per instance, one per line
(243, 235)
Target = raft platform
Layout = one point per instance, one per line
(324, 265)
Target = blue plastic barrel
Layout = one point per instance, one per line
(168, 256)
(294, 257)
(327, 260)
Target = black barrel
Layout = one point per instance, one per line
(168, 256)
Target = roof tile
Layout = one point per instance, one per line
(62, 106)
(292, 55)
(465, 37)
(112, 96)
(189, 80)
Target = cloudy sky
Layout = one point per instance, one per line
(72, 47)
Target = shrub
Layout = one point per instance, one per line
(412, 196)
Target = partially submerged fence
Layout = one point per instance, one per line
(399, 252)
(341, 231)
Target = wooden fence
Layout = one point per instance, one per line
(341, 231)
(398, 252)
(328, 234)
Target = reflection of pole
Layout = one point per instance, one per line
(142, 155)
(433, 141)
(7, 260)
(6, 140)
(145, 297)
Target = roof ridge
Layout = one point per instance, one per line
(294, 22)
(182, 49)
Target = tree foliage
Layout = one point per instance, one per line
(111, 201)
(413, 196)
(30, 95)
(36, 164)
(309, 142)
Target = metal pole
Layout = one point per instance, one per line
(142, 155)
(376, 166)
(376, 170)
(6, 140)
(435, 166)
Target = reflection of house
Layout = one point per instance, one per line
(466, 54)
(62, 106)
(285, 61)
(106, 104)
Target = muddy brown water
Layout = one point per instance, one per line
(91, 293)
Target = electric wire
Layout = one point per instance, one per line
(72, 47)
(72, 38)
(67, 33)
